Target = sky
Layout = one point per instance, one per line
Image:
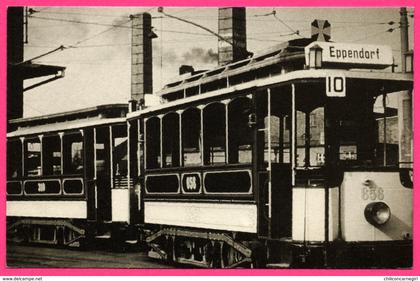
(97, 40)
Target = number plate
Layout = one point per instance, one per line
(191, 183)
(373, 193)
(336, 86)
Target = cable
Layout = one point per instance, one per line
(43, 55)
(94, 36)
(87, 14)
(75, 45)
(104, 45)
(183, 32)
(197, 25)
(376, 34)
(81, 22)
(78, 14)
(273, 13)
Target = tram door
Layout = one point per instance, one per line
(103, 173)
(273, 162)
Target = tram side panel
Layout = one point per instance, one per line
(68, 187)
(47, 197)
(184, 207)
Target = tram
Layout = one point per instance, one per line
(67, 176)
(277, 160)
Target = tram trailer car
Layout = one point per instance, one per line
(279, 160)
(67, 177)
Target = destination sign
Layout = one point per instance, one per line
(355, 55)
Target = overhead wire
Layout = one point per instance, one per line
(80, 22)
(390, 30)
(77, 14)
(123, 25)
(285, 24)
(95, 35)
(274, 14)
(76, 44)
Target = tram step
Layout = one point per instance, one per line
(103, 236)
(278, 265)
(131, 241)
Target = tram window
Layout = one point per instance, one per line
(14, 159)
(119, 157)
(280, 134)
(317, 141)
(240, 134)
(360, 129)
(153, 143)
(171, 140)
(274, 123)
(73, 153)
(390, 143)
(286, 120)
(102, 147)
(32, 157)
(134, 149)
(214, 116)
(300, 139)
(191, 137)
(312, 122)
(51, 155)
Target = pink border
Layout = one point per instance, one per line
(180, 272)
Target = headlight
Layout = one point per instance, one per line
(377, 213)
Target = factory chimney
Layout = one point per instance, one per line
(141, 58)
(232, 27)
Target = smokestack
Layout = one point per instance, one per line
(186, 69)
(141, 57)
(232, 27)
(14, 55)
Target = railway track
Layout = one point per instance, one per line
(29, 256)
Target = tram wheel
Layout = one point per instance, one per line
(229, 256)
(209, 254)
(170, 250)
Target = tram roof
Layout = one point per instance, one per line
(64, 126)
(102, 111)
(299, 76)
(286, 52)
(70, 120)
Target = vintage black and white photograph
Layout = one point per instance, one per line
(209, 137)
